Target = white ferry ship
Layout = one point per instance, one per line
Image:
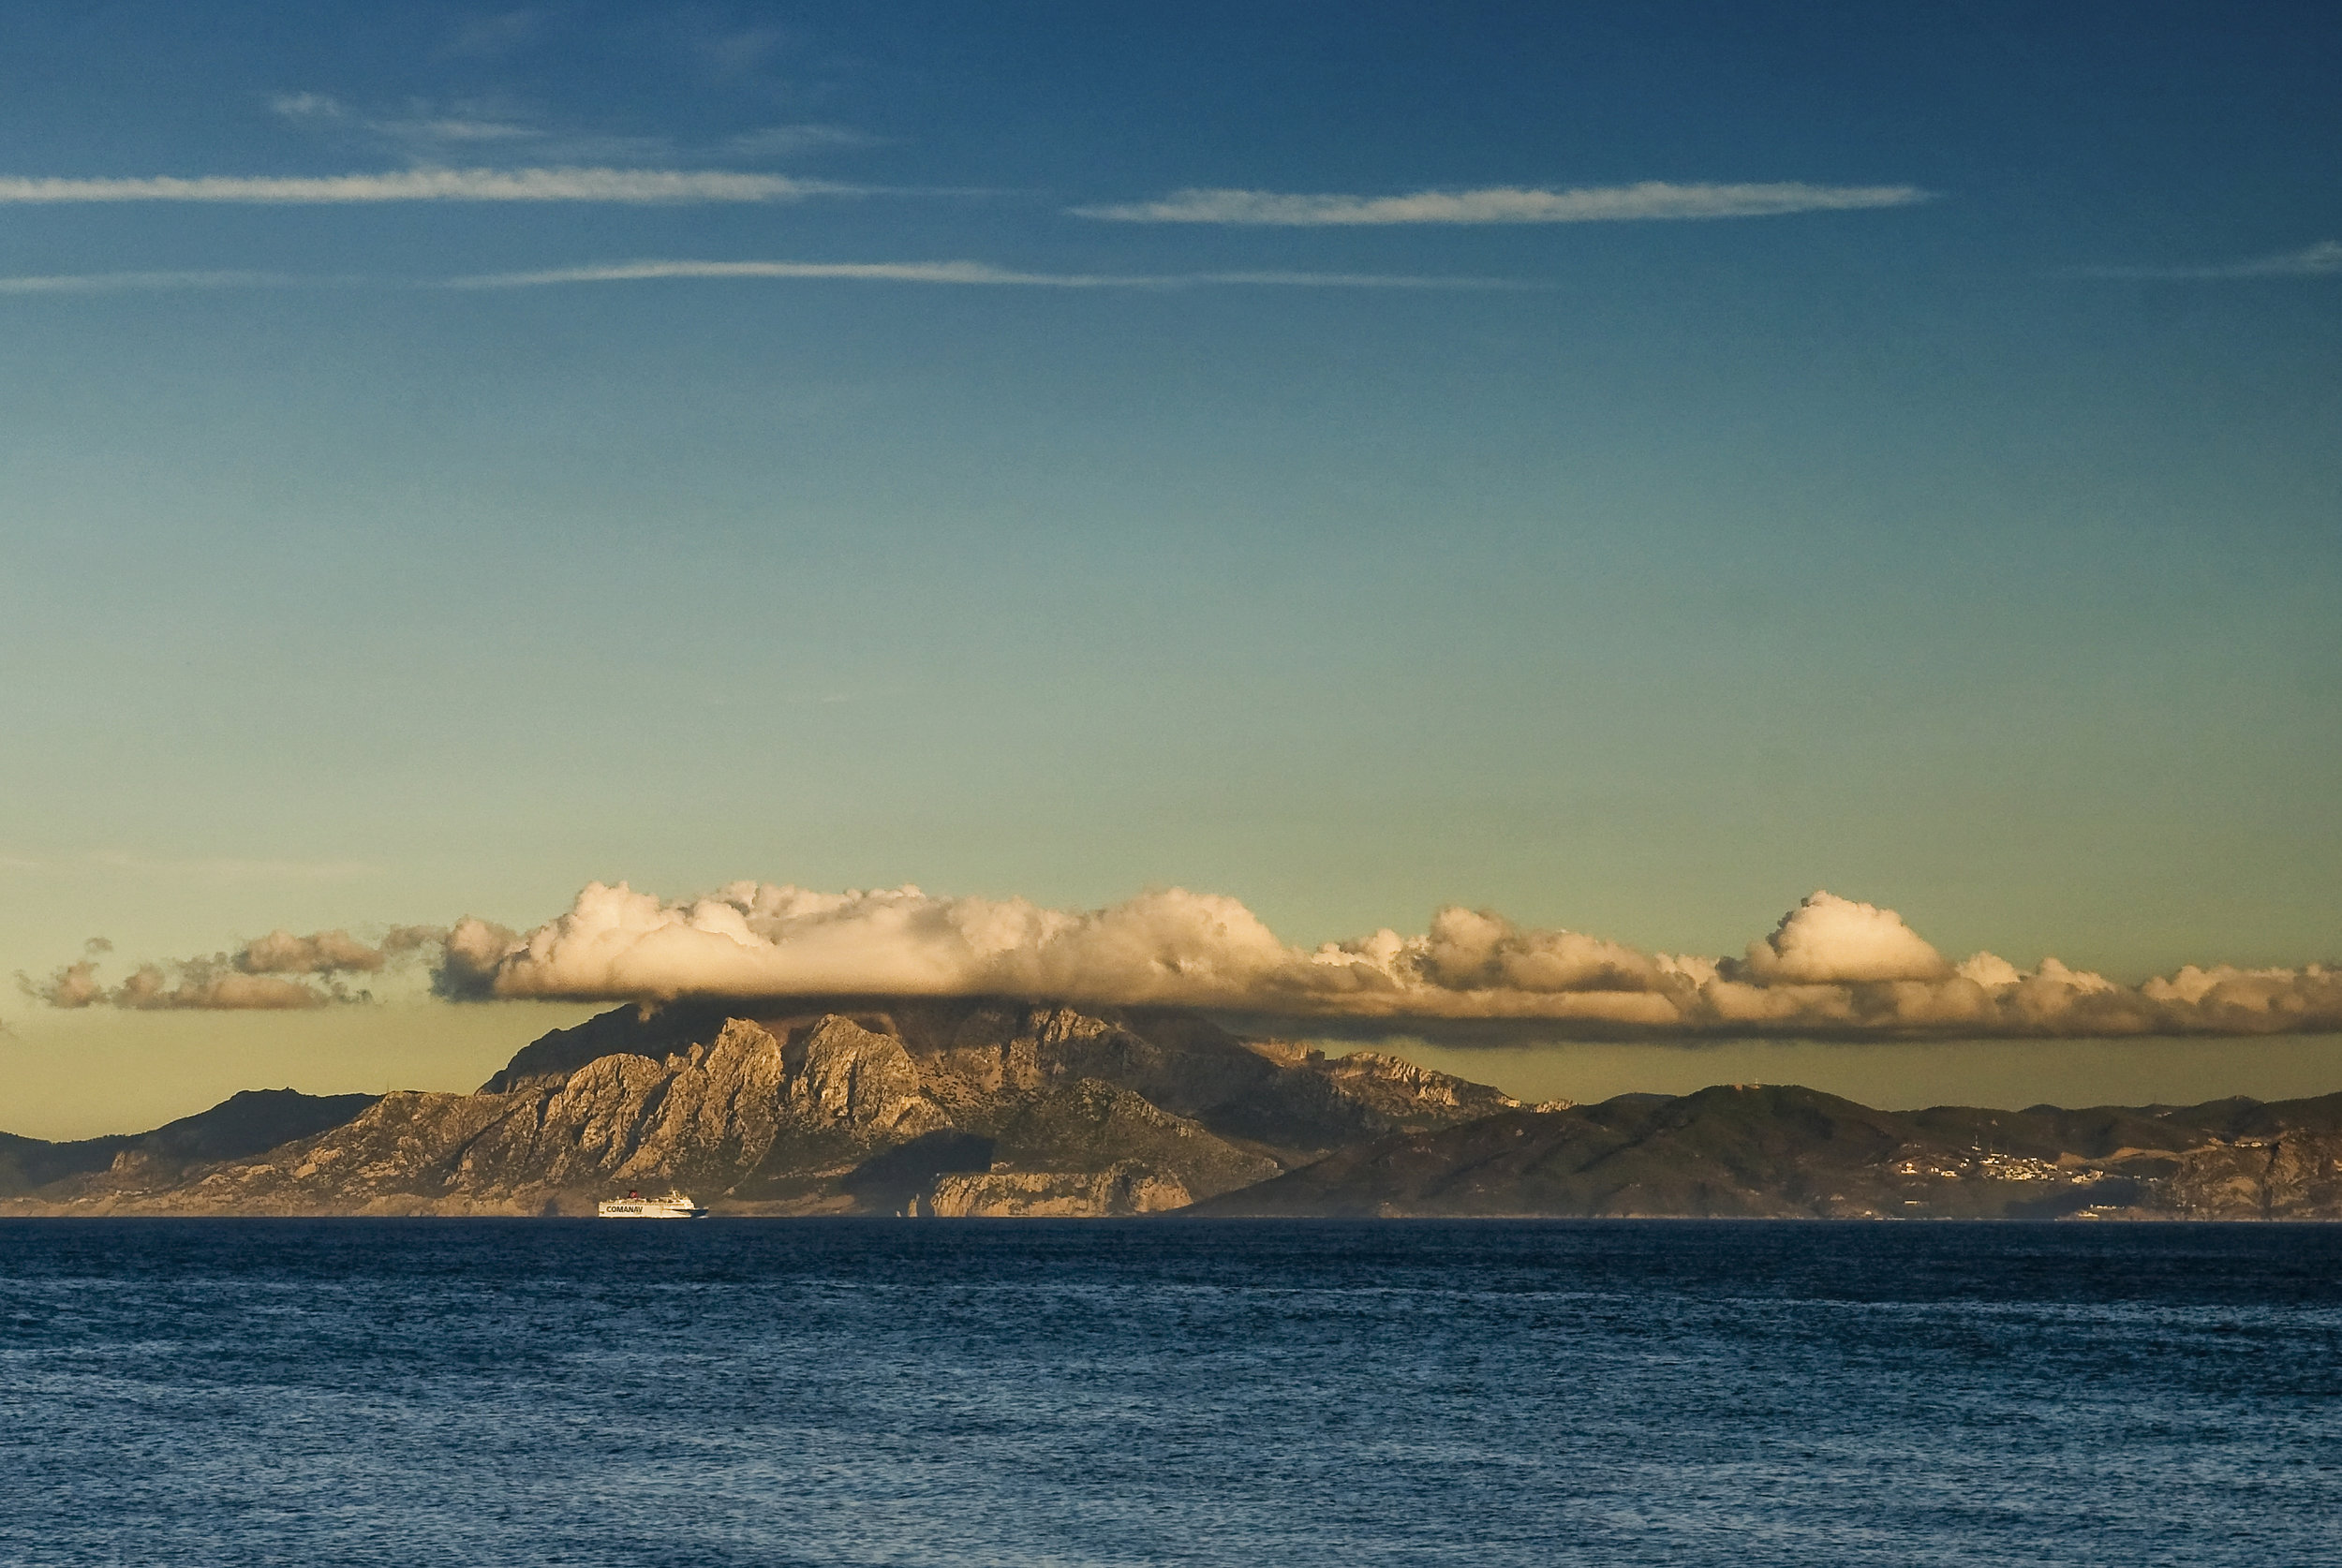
(675, 1205)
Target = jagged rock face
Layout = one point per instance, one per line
(400, 1155)
(626, 1031)
(843, 1074)
(820, 1101)
(710, 1112)
(2289, 1177)
(1394, 1095)
(1091, 1126)
(1123, 1190)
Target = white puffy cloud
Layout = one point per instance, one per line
(1832, 968)
(1828, 939)
(751, 939)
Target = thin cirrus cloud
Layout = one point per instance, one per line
(427, 130)
(1649, 199)
(1832, 968)
(976, 274)
(962, 274)
(128, 283)
(2323, 260)
(464, 124)
(646, 186)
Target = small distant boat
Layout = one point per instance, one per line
(675, 1205)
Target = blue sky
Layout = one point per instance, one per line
(1972, 550)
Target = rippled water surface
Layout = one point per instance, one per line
(1261, 1393)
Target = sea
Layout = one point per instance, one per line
(1268, 1393)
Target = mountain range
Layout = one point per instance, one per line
(999, 1107)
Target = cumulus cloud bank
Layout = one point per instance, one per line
(276, 972)
(1649, 199)
(1831, 967)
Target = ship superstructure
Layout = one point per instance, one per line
(675, 1205)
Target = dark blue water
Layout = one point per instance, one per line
(1003, 1393)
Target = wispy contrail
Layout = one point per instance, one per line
(2323, 260)
(1649, 199)
(434, 185)
(979, 273)
(119, 283)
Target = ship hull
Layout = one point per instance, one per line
(651, 1208)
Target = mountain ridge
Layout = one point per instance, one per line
(810, 1109)
(998, 1106)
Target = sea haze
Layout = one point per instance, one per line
(1167, 1390)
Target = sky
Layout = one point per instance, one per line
(1621, 468)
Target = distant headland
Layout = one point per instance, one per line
(969, 1107)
